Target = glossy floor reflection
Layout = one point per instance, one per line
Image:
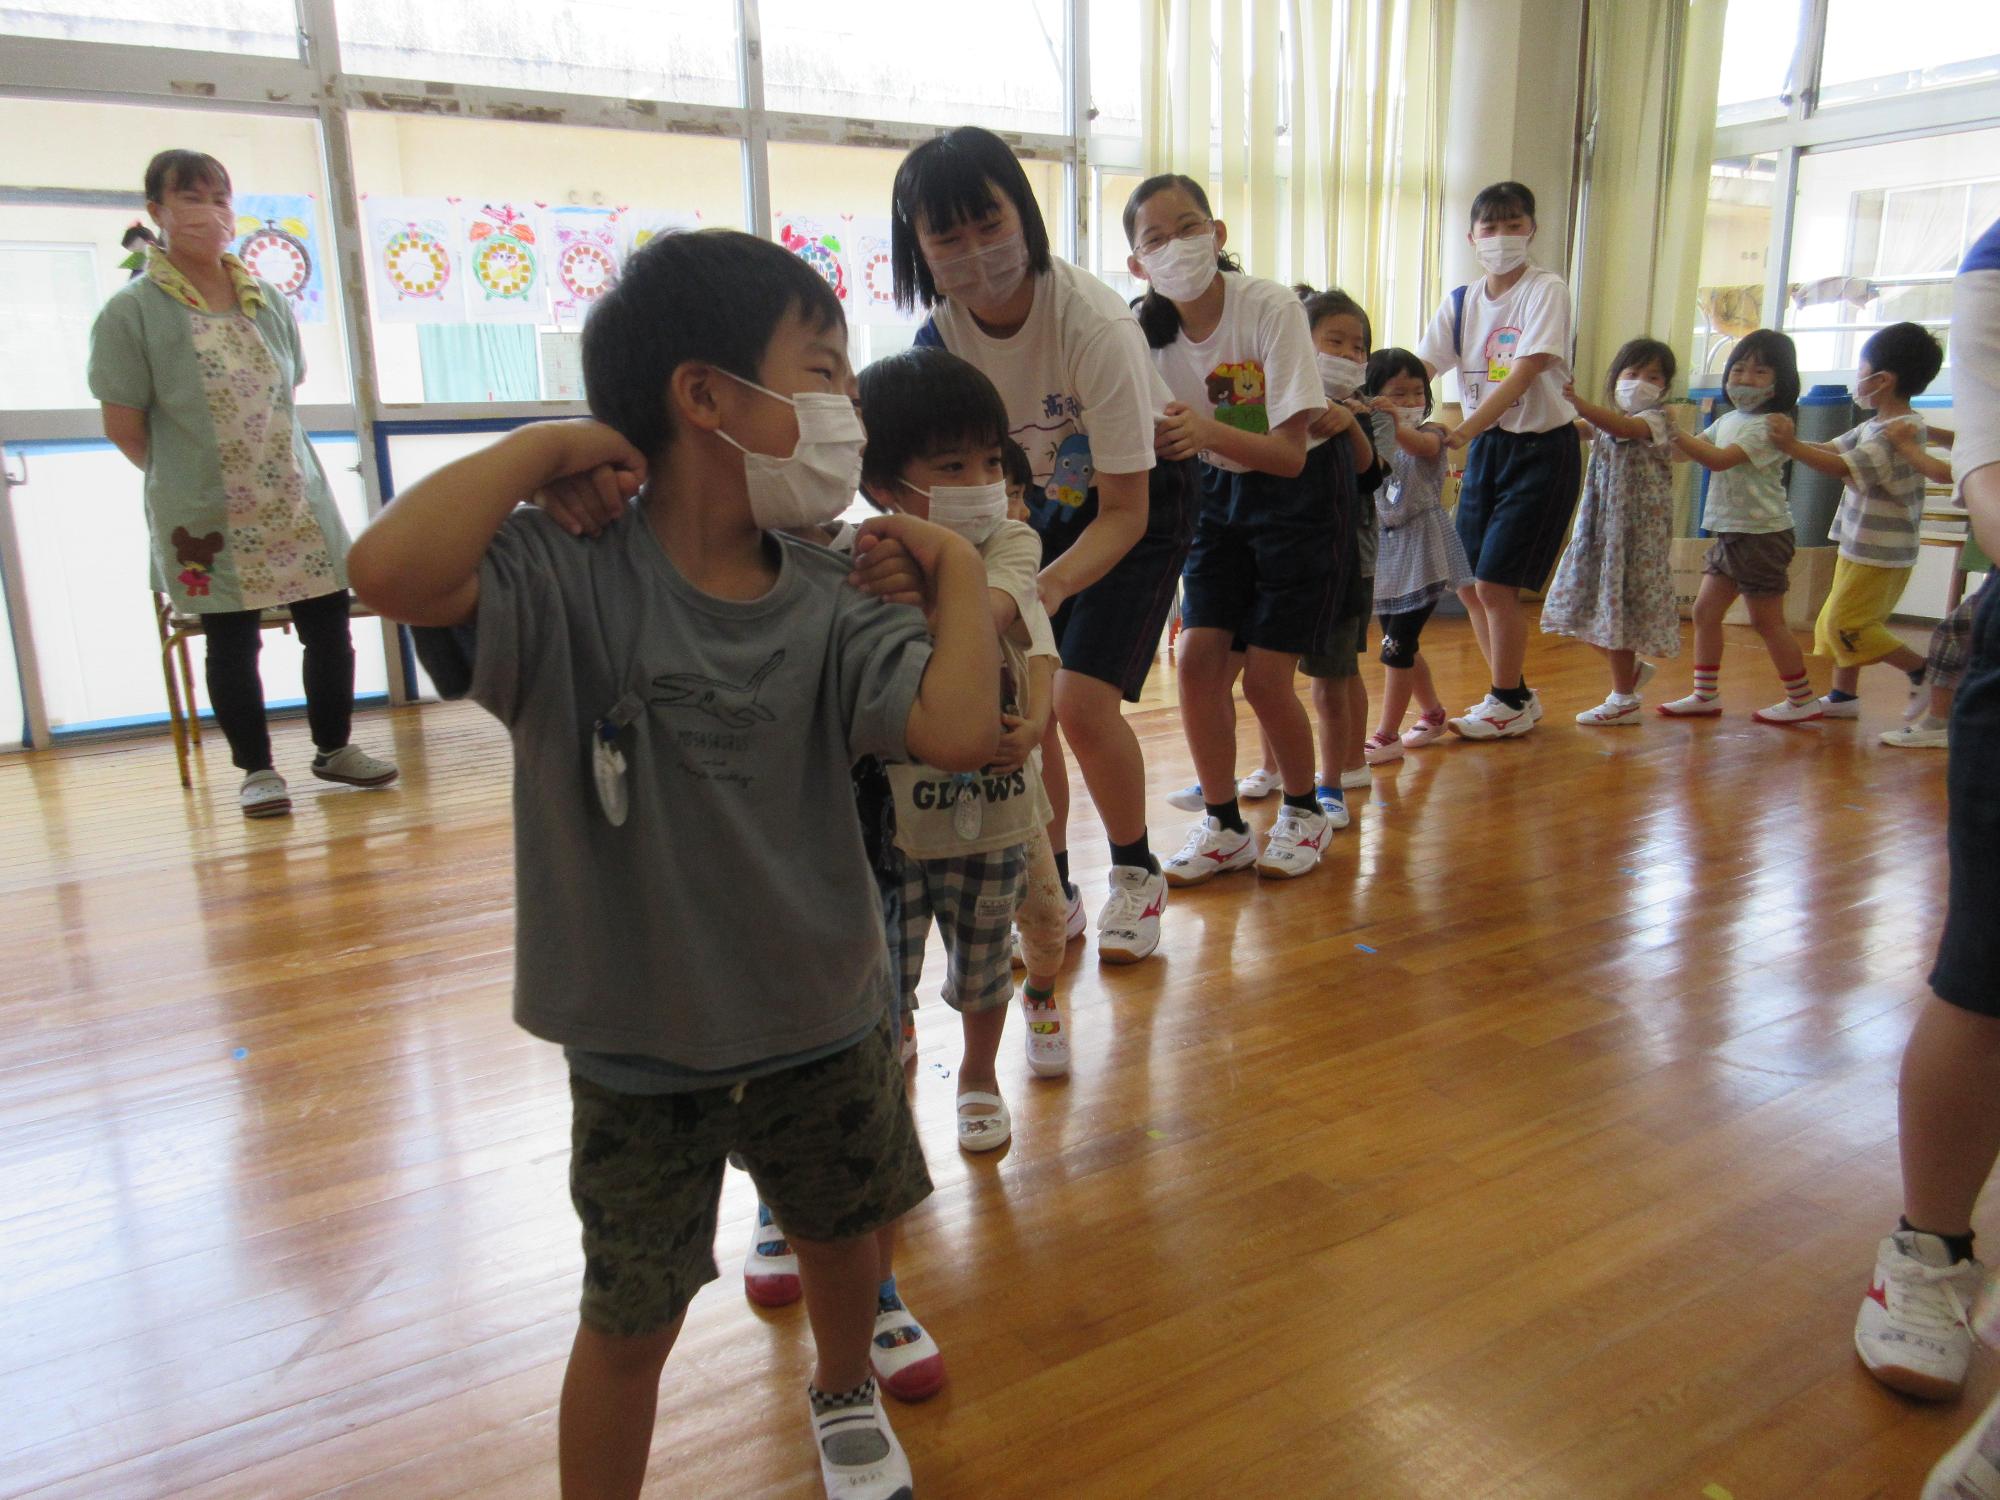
(1535, 1147)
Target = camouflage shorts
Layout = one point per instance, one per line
(830, 1144)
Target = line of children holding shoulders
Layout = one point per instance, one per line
(685, 672)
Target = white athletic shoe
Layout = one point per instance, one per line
(1490, 719)
(264, 795)
(1693, 706)
(1919, 734)
(859, 1457)
(1359, 777)
(1378, 751)
(1210, 850)
(1294, 844)
(1787, 712)
(1914, 1331)
(1424, 732)
(1187, 799)
(1611, 713)
(1259, 784)
(1128, 928)
(1534, 705)
(1047, 1032)
(1841, 708)
(1335, 808)
(1971, 1469)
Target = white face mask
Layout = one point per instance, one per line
(984, 277)
(1863, 397)
(817, 481)
(971, 510)
(1340, 378)
(1747, 397)
(1638, 395)
(1409, 416)
(1181, 270)
(1501, 253)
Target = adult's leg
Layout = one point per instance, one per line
(328, 670)
(1107, 751)
(1475, 611)
(610, 1397)
(235, 687)
(1208, 710)
(1269, 686)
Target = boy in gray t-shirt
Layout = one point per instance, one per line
(686, 690)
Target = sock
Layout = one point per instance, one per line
(1960, 1245)
(886, 1299)
(1623, 700)
(1138, 852)
(1798, 690)
(1228, 814)
(1929, 720)
(1835, 695)
(1707, 680)
(1524, 685)
(1516, 697)
(1325, 793)
(1304, 802)
(1062, 873)
(853, 1443)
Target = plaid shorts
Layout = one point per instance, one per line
(974, 898)
(1951, 645)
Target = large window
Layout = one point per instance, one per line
(268, 28)
(1870, 54)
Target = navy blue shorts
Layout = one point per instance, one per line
(1270, 581)
(1967, 972)
(1514, 504)
(1111, 631)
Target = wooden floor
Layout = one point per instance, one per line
(1535, 1147)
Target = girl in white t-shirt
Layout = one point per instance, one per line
(967, 242)
(1237, 355)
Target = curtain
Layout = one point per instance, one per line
(1318, 127)
(479, 362)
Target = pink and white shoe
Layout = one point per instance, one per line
(1380, 748)
(1788, 712)
(771, 1270)
(905, 1358)
(1611, 714)
(1693, 706)
(1428, 730)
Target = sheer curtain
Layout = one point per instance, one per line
(1318, 125)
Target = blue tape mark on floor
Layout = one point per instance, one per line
(240, 1053)
(1364, 947)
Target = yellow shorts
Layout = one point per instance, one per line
(1853, 626)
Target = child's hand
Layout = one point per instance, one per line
(1569, 392)
(1335, 420)
(593, 473)
(1018, 738)
(1779, 428)
(1904, 437)
(897, 558)
(1455, 438)
(1177, 434)
(1384, 405)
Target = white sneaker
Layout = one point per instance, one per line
(1335, 808)
(1611, 712)
(1359, 777)
(1378, 751)
(859, 1457)
(1128, 929)
(1841, 708)
(1210, 850)
(1787, 712)
(1971, 1469)
(1920, 734)
(1047, 1031)
(906, 1360)
(1294, 844)
(264, 795)
(1534, 705)
(1693, 706)
(1913, 1333)
(1187, 799)
(1490, 719)
(352, 766)
(770, 1270)
(1647, 671)
(1424, 732)
(1259, 784)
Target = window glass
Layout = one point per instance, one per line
(1867, 57)
(261, 28)
(908, 60)
(93, 157)
(684, 50)
(1113, 188)
(1115, 60)
(1879, 232)
(487, 241)
(1735, 255)
(1759, 40)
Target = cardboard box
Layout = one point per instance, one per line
(1812, 579)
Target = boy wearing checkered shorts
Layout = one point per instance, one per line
(973, 848)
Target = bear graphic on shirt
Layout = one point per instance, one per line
(1500, 346)
(1236, 390)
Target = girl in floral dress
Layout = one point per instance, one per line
(1614, 587)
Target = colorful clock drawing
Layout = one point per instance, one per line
(277, 243)
(821, 251)
(503, 257)
(416, 263)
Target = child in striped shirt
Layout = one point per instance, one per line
(1881, 510)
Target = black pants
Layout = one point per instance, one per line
(1400, 635)
(237, 691)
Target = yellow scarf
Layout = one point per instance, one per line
(167, 276)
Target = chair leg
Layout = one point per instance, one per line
(187, 684)
(174, 714)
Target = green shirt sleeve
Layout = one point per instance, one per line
(120, 374)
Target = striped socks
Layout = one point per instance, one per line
(1798, 690)
(1707, 681)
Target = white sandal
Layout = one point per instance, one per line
(983, 1132)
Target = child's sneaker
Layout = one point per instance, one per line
(1922, 734)
(1379, 748)
(859, 1457)
(1128, 928)
(1187, 799)
(1971, 1470)
(1913, 1333)
(1646, 672)
(905, 1358)
(1333, 805)
(1426, 731)
(1490, 719)
(1355, 779)
(1839, 708)
(771, 1270)
(1788, 712)
(1047, 1034)
(1693, 706)
(1210, 850)
(1611, 713)
(1294, 844)
(1534, 705)
(1259, 784)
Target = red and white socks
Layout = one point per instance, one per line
(1705, 701)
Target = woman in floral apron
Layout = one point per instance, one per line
(195, 362)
